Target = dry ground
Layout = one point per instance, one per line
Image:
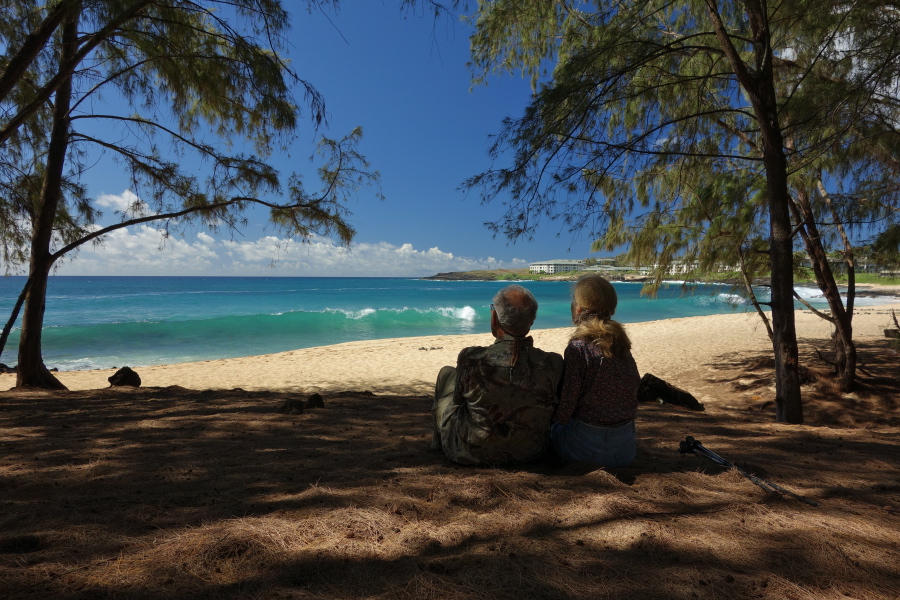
(173, 493)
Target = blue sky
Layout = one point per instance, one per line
(404, 80)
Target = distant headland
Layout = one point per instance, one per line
(868, 285)
(525, 274)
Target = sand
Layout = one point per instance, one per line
(191, 488)
(677, 350)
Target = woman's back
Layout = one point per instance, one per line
(598, 390)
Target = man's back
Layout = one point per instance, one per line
(500, 413)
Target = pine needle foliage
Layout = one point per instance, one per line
(191, 99)
(638, 116)
(685, 130)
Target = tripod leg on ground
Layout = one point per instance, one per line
(692, 446)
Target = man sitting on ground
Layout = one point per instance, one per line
(495, 406)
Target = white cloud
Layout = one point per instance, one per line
(144, 250)
(126, 203)
(141, 250)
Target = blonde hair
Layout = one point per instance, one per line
(597, 299)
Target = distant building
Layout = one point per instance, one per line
(678, 267)
(611, 269)
(551, 267)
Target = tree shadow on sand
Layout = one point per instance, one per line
(875, 401)
(173, 493)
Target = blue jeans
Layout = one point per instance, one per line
(602, 446)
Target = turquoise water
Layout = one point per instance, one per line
(102, 322)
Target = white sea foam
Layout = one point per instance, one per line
(673, 282)
(815, 297)
(735, 299)
(83, 364)
(809, 293)
(466, 313)
(350, 314)
(360, 314)
(874, 301)
(718, 299)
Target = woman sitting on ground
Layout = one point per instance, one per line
(594, 421)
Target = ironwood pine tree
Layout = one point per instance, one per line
(844, 181)
(189, 97)
(840, 81)
(688, 117)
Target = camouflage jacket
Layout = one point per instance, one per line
(502, 403)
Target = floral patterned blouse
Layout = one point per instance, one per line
(596, 390)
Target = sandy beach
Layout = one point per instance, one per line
(198, 485)
(678, 350)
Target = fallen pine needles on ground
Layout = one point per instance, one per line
(173, 493)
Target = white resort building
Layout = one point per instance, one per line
(551, 267)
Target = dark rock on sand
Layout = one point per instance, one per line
(125, 377)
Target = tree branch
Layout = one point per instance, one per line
(816, 312)
(66, 70)
(174, 215)
(30, 49)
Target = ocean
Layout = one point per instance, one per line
(104, 322)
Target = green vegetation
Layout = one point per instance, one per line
(505, 274)
(493, 275)
(873, 278)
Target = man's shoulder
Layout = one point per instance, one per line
(542, 352)
(536, 356)
(472, 352)
(544, 359)
(546, 352)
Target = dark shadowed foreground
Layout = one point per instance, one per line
(172, 493)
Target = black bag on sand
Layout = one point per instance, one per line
(653, 388)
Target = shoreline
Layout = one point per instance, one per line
(143, 335)
(681, 350)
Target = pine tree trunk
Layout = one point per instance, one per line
(7, 329)
(31, 370)
(788, 400)
(842, 317)
(845, 359)
(748, 288)
(845, 346)
(759, 85)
